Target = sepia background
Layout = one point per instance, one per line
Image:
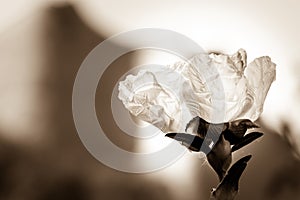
(42, 45)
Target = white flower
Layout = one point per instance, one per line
(218, 88)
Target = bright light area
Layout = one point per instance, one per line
(260, 27)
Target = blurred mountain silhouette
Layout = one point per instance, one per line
(58, 166)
